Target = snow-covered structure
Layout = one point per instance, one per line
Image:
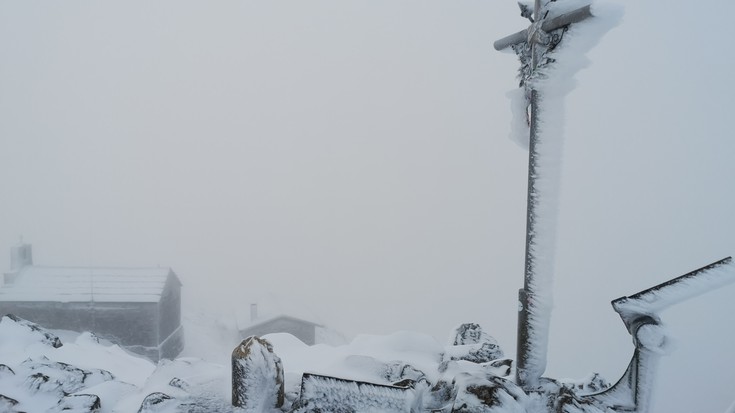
(279, 322)
(304, 330)
(138, 308)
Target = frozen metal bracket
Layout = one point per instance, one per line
(639, 313)
(321, 393)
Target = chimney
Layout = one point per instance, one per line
(21, 256)
(253, 312)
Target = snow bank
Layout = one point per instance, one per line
(368, 358)
(400, 372)
(40, 373)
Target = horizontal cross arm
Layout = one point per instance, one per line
(664, 295)
(557, 22)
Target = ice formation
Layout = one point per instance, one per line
(658, 298)
(329, 394)
(552, 79)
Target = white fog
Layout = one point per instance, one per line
(350, 162)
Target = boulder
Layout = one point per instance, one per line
(158, 403)
(398, 372)
(6, 371)
(469, 333)
(496, 395)
(7, 404)
(44, 336)
(56, 376)
(77, 403)
(472, 344)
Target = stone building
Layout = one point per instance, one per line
(137, 308)
(304, 330)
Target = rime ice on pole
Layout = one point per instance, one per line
(551, 51)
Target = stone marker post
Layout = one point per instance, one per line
(257, 376)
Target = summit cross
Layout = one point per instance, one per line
(531, 45)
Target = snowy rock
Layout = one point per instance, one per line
(179, 383)
(469, 333)
(159, 403)
(56, 376)
(77, 403)
(475, 353)
(488, 396)
(7, 404)
(496, 368)
(440, 395)
(110, 394)
(93, 377)
(32, 328)
(470, 343)
(87, 336)
(6, 371)
(398, 372)
(568, 402)
(257, 376)
(546, 396)
(500, 367)
(593, 384)
(39, 382)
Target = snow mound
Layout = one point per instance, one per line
(400, 372)
(39, 373)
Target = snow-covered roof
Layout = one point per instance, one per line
(79, 284)
(263, 321)
(270, 306)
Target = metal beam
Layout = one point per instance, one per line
(557, 22)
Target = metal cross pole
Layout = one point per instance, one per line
(529, 366)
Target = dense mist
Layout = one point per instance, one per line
(349, 161)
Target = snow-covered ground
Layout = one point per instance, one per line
(54, 371)
(44, 370)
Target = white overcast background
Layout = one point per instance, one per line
(352, 157)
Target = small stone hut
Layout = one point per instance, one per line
(137, 308)
(301, 329)
(304, 330)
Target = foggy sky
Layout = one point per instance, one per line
(353, 157)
